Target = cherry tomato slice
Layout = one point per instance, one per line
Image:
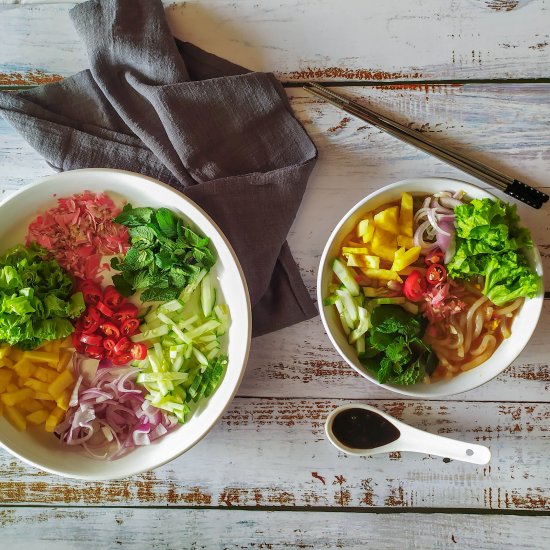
(112, 298)
(436, 274)
(139, 351)
(122, 359)
(111, 330)
(92, 293)
(125, 312)
(104, 309)
(129, 327)
(95, 352)
(436, 257)
(123, 346)
(109, 344)
(91, 339)
(414, 286)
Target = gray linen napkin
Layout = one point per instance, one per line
(224, 136)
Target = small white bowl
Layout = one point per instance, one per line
(43, 450)
(522, 328)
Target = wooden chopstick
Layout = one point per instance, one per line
(510, 186)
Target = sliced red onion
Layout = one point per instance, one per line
(450, 202)
(435, 224)
(110, 414)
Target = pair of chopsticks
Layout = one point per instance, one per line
(510, 186)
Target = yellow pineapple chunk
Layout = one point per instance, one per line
(406, 215)
(404, 259)
(16, 418)
(403, 240)
(363, 260)
(388, 220)
(38, 417)
(382, 274)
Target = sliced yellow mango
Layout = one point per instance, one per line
(363, 260)
(388, 220)
(406, 215)
(404, 259)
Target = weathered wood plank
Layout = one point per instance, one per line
(380, 41)
(273, 452)
(60, 529)
(301, 362)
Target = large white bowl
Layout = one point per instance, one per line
(523, 326)
(43, 450)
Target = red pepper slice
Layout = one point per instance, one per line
(104, 309)
(121, 359)
(125, 312)
(414, 286)
(92, 293)
(139, 351)
(436, 274)
(90, 319)
(129, 327)
(109, 344)
(123, 346)
(111, 330)
(436, 257)
(95, 352)
(112, 298)
(91, 339)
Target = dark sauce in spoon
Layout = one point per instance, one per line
(362, 429)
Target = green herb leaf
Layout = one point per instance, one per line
(166, 222)
(159, 294)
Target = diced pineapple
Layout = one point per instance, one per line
(30, 405)
(62, 382)
(353, 250)
(356, 260)
(63, 400)
(45, 375)
(16, 418)
(13, 397)
(53, 419)
(382, 274)
(38, 417)
(365, 229)
(388, 220)
(383, 244)
(4, 351)
(36, 385)
(64, 358)
(406, 215)
(403, 240)
(51, 357)
(24, 368)
(404, 259)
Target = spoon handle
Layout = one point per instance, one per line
(423, 442)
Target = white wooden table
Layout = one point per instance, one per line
(471, 73)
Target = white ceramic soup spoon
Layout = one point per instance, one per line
(362, 430)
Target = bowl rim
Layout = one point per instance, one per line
(539, 298)
(248, 331)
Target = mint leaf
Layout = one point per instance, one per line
(122, 285)
(142, 237)
(137, 259)
(132, 217)
(154, 294)
(166, 222)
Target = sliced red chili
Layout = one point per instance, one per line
(111, 330)
(436, 257)
(78, 345)
(436, 274)
(109, 344)
(89, 321)
(121, 359)
(125, 312)
(112, 298)
(91, 339)
(123, 346)
(139, 351)
(104, 309)
(95, 352)
(129, 327)
(414, 286)
(92, 294)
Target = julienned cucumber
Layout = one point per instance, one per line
(184, 361)
(346, 276)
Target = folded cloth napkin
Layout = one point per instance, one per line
(224, 136)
